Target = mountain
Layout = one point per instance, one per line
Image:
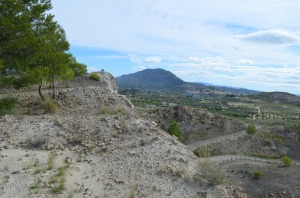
(151, 79)
(282, 97)
(160, 79)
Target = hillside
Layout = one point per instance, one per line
(95, 145)
(282, 97)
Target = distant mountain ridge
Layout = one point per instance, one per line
(160, 79)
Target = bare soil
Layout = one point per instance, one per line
(275, 181)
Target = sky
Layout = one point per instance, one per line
(253, 44)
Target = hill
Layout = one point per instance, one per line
(160, 79)
(282, 97)
(151, 79)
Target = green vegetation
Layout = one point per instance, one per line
(95, 76)
(33, 47)
(50, 161)
(257, 174)
(59, 187)
(251, 129)
(207, 151)
(132, 192)
(7, 105)
(174, 129)
(211, 173)
(36, 186)
(287, 161)
(77, 138)
(50, 106)
(61, 171)
(58, 180)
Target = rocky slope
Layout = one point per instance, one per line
(94, 146)
(196, 124)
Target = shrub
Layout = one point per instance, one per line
(60, 187)
(174, 129)
(7, 105)
(77, 138)
(50, 106)
(251, 129)
(287, 161)
(211, 173)
(207, 151)
(95, 76)
(257, 174)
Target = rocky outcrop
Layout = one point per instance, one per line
(195, 123)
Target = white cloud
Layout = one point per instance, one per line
(139, 68)
(245, 62)
(92, 69)
(271, 37)
(153, 59)
(201, 35)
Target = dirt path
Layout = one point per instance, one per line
(233, 136)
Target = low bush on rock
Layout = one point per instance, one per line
(95, 76)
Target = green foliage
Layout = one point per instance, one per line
(50, 106)
(287, 161)
(7, 105)
(257, 174)
(174, 129)
(251, 129)
(95, 76)
(77, 68)
(33, 47)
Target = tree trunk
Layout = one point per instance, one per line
(40, 90)
(53, 90)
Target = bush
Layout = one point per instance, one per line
(251, 129)
(207, 151)
(257, 174)
(287, 161)
(50, 106)
(174, 129)
(95, 76)
(7, 105)
(211, 173)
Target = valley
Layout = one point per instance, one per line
(214, 128)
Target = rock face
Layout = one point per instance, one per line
(94, 146)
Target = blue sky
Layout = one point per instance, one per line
(253, 44)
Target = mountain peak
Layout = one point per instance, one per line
(152, 79)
